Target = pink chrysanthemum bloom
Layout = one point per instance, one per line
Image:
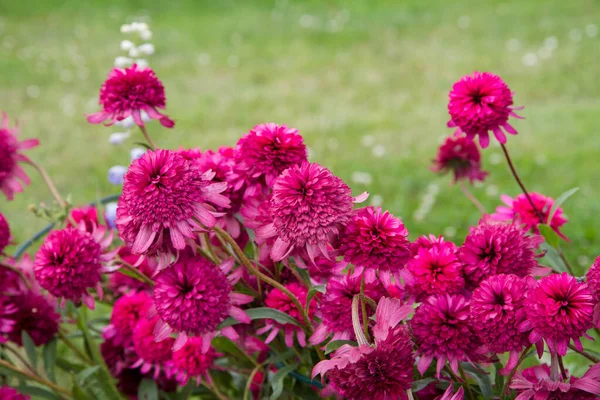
(519, 209)
(374, 240)
(460, 156)
(443, 331)
(479, 103)
(496, 313)
(12, 176)
(558, 309)
(5, 236)
(536, 383)
(379, 372)
(324, 269)
(593, 282)
(193, 296)
(336, 303)
(264, 153)
(152, 354)
(190, 362)
(434, 271)
(427, 242)
(7, 316)
(280, 301)
(309, 206)
(127, 92)
(36, 315)
(121, 283)
(70, 262)
(494, 247)
(165, 200)
(192, 154)
(255, 211)
(8, 393)
(126, 313)
(88, 215)
(117, 353)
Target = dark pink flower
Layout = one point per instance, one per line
(593, 281)
(479, 103)
(88, 215)
(427, 242)
(559, 309)
(264, 153)
(12, 176)
(118, 354)
(190, 362)
(460, 156)
(36, 315)
(450, 395)
(128, 92)
(127, 311)
(519, 209)
(7, 316)
(165, 200)
(5, 236)
(255, 211)
(536, 383)
(152, 354)
(8, 393)
(494, 247)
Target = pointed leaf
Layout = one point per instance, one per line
(313, 292)
(29, 348)
(558, 202)
(277, 381)
(421, 384)
(50, 359)
(550, 235)
(263, 313)
(38, 392)
(148, 390)
(483, 380)
(86, 373)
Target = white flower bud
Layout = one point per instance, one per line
(126, 45)
(118, 137)
(121, 62)
(126, 123)
(136, 153)
(134, 52)
(146, 35)
(126, 28)
(141, 63)
(146, 48)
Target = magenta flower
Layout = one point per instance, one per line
(165, 200)
(122, 283)
(593, 281)
(8, 393)
(8, 312)
(88, 215)
(256, 214)
(450, 395)
(190, 362)
(128, 92)
(118, 354)
(127, 311)
(479, 103)
(496, 313)
(427, 242)
(536, 383)
(152, 354)
(193, 296)
(70, 262)
(460, 156)
(559, 309)
(443, 331)
(375, 241)
(493, 248)
(519, 209)
(264, 153)
(12, 176)
(36, 315)
(5, 236)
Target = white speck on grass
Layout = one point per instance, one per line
(233, 61)
(591, 30)
(204, 59)
(379, 150)
(126, 28)
(464, 22)
(492, 190)
(551, 42)
(307, 21)
(583, 261)
(529, 59)
(127, 45)
(575, 35)
(367, 140)
(513, 45)
(495, 158)
(117, 138)
(333, 144)
(33, 91)
(136, 153)
(362, 178)
(376, 200)
(449, 231)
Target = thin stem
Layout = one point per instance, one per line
(409, 395)
(471, 197)
(209, 248)
(74, 348)
(20, 358)
(358, 332)
(363, 307)
(139, 275)
(214, 388)
(564, 260)
(467, 385)
(61, 202)
(147, 136)
(248, 389)
(512, 372)
(18, 272)
(368, 300)
(562, 368)
(584, 353)
(36, 378)
(206, 254)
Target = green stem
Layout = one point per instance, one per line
(61, 202)
(36, 378)
(584, 353)
(148, 138)
(74, 348)
(363, 307)
(466, 381)
(214, 388)
(139, 275)
(471, 197)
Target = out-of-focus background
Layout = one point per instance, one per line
(365, 82)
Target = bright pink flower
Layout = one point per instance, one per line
(324, 269)
(193, 154)
(12, 176)
(450, 395)
(152, 354)
(558, 308)
(496, 313)
(443, 331)
(70, 262)
(536, 383)
(519, 209)
(255, 211)
(121, 283)
(7, 316)
(5, 236)
(128, 92)
(12, 282)
(264, 153)
(593, 281)
(479, 103)
(190, 362)
(374, 240)
(8, 393)
(87, 215)
(127, 311)
(460, 156)
(36, 315)
(494, 247)
(193, 296)
(165, 200)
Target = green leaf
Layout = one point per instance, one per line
(336, 344)
(499, 378)
(552, 259)
(550, 235)
(313, 292)
(483, 380)
(558, 202)
(186, 391)
(263, 313)
(79, 393)
(50, 359)
(148, 390)
(86, 373)
(29, 348)
(421, 383)
(277, 381)
(38, 392)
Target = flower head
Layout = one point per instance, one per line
(479, 103)
(427, 242)
(460, 156)
(5, 236)
(8, 393)
(255, 211)
(558, 309)
(190, 362)
(7, 316)
(152, 354)
(127, 311)
(536, 383)
(593, 281)
(127, 92)
(36, 315)
(88, 215)
(12, 176)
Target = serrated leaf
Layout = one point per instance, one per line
(277, 381)
(263, 313)
(483, 380)
(313, 292)
(558, 202)
(421, 384)
(549, 235)
(86, 373)
(29, 348)
(50, 359)
(336, 344)
(38, 392)
(148, 390)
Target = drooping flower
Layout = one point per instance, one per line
(494, 247)
(593, 281)
(127, 311)
(165, 199)
(450, 395)
(460, 156)
(443, 331)
(479, 103)
(497, 311)
(12, 176)
(127, 92)
(8, 393)
(190, 362)
(5, 236)
(309, 206)
(36, 315)
(520, 209)
(152, 354)
(7, 316)
(121, 283)
(69, 262)
(192, 298)
(264, 153)
(374, 240)
(559, 309)
(88, 215)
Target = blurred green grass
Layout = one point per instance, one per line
(344, 73)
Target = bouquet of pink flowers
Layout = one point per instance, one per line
(249, 272)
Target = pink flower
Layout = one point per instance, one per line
(12, 176)
(374, 240)
(493, 248)
(88, 215)
(450, 395)
(264, 153)
(118, 354)
(255, 211)
(309, 206)
(479, 103)
(519, 209)
(593, 281)
(8, 393)
(460, 156)
(152, 354)
(496, 313)
(5, 236)
(190, 362)
(165, 200)
(127, 311)
(69, 262)
(193, 296)
(558, 309)
(8, 312)
(536, 383)
(427, 242)
(36, 315)
(443, 331)
(128, 92)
